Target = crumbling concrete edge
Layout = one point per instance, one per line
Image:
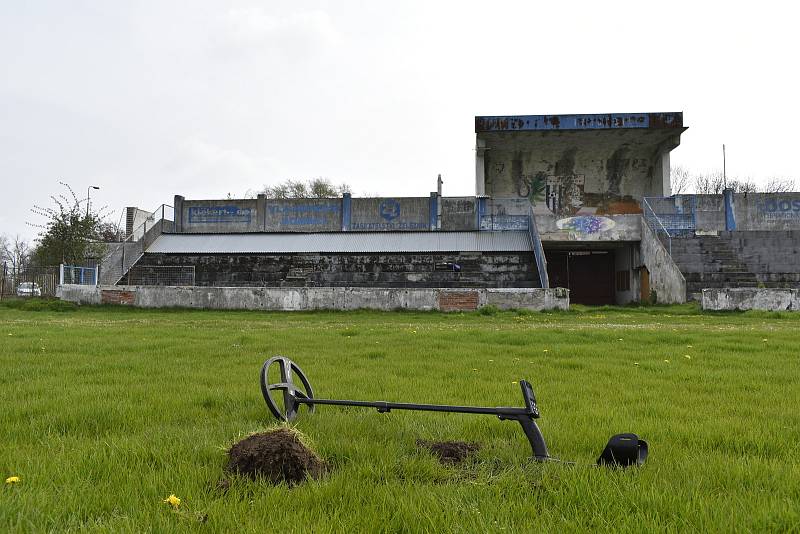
(751, 298)
(318, 298)
(666, 278)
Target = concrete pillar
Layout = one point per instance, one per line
(346, 212)
(261, 212)
(433, 211)
(662, 186)
(480, 169)
(480, 211)
(730, 216)
(177, 207)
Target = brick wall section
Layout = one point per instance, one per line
(117, 297)
(458, 300)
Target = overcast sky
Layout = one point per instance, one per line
(149, 99)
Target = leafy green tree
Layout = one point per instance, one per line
(71, 233)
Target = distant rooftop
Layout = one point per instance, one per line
(600, 121)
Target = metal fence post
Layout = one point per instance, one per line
(61, 274)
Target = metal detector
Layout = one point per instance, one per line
(621, 450)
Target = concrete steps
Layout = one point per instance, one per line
(739, 259)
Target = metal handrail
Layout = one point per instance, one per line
(538, 250)
(135, 237)
(657, 218)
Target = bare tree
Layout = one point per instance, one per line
(714, 183)
(680, 178)
(779, 185)
(314, 188)
(708, 184)
(16, 253)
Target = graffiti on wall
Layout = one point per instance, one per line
(304, 214)
(586, 224)
(779, 208)
(390, 215)
(562, 194)
(220, 214)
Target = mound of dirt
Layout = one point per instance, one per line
(276, 456)
(449, 452)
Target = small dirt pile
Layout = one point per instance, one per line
(449, 452)
(276, 456)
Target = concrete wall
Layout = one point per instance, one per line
(220, 216)
(348, 270)
(303, 215)
(665, 277)
(590, 228)
(296, 299)
(394, 214)
(578, 173)
(459, 214)
(751, 299)
(748, 211)
(766, 211)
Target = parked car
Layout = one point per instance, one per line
(29, 289)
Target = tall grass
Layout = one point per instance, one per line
(104, 412)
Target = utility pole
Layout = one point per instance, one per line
(88, 191)
(724, 175)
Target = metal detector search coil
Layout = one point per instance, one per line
(619, 451)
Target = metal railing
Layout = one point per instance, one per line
(120, 258)
(538, 249)
(161, 275)
(655, 223)
(73, 274)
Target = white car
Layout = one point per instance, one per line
(29, 289)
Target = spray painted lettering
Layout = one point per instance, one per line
(779, 208)
(304, 214)
(220, 214)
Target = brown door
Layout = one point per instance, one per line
(589, 275)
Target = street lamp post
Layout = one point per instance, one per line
(88, 191)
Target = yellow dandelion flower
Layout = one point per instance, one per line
(491, 360)
(474, 369)
(12, 480)
(635, 363)
(545, 350)
(514, 382)
(765, 339)
(666, 361)
(688, 346)
(173, 501)
(687, 356)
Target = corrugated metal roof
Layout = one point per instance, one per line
(341, 242)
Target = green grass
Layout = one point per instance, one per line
(106, 411)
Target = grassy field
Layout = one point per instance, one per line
(104, 412)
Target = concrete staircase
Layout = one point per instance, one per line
(738, 259)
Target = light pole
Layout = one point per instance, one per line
(88, 191)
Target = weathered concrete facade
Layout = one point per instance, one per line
(317, 298)
(663, 275)
(455, 269)
(570, 165)
(729, 299)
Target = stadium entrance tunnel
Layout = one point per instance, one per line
(596, 274)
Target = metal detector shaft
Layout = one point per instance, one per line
(384, 407)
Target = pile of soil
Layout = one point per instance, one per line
(449, 452)
(276, 456)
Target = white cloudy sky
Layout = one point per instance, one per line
(203, 98)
